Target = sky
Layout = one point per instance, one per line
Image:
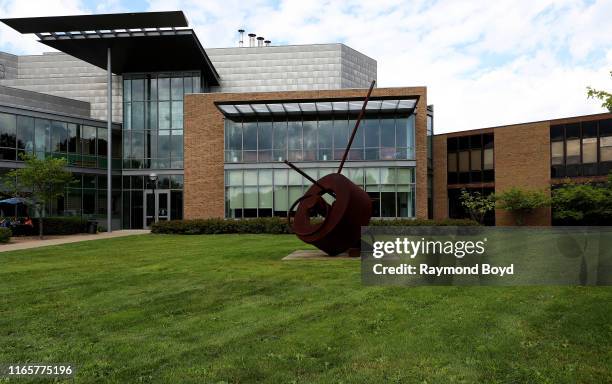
(485, 63)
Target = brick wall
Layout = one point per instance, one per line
(440, 187)
(522, 159)
(204, 143)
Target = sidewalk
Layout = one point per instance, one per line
(29, 242)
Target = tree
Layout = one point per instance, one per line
(585, 204)
(605, 97)
(522, 202)
(477, 205)
(44, 180)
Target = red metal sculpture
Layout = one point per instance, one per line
(333, 227)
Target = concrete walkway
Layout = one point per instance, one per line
(29, 242)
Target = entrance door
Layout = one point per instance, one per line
(157, 206)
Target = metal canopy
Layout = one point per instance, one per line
(137, 51)
(94, 22)
(315, 108)
(140, 42)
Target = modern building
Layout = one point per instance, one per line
(204, 132)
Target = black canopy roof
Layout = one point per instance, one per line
(97, 22)
(137, 43)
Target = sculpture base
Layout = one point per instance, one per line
(315, 254)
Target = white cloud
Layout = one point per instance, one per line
(14, 42)
(484, 63)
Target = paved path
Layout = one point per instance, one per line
(18, 243)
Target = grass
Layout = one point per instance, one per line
(224, 308)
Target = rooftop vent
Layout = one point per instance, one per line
(260, 40)
(252, 39)
(267, 43)
(241, 41)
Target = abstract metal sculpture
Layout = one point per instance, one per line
(333, 227)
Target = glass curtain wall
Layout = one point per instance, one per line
(319, 139)
(270, 192)
(83, 145)
(153, 118)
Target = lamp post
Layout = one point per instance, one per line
(153, 182)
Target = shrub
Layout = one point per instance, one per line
(5, 235)
(272, 225)
(54, 226)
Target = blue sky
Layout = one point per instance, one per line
(485, 63)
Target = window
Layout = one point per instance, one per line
(470, 159)
(270, 192)
(307, 139)
(557, 152)
(581, 149)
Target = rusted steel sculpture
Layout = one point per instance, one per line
(336, 227)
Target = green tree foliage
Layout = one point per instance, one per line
(42, 180)
(584, 204)
(522, 202)
(605, 97)
(477, 205)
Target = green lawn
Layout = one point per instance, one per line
(181, 309)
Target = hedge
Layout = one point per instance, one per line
(273, 225)
(54, 226)
(5, 235)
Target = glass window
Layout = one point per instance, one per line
(387, 132)
(152, 115)
(488, 159)
(557, 132)
(177, 144)
(188, 85)
(279, 140)
(405, 175)
(249, 140)
(8, 129)
(556, 152)
(138, 89)
(163, 88)
(73, 138)
(340, 137)
(372, 132)
(127, 90)
(88, 141)
(151, 88)
(137, 145)
(163, 146)
(41, 136)
(572, 151)
(177, 88)
(177, 115)
(476, 163)
(102, 142)
(310, 140)
(264, 141)
(294, 139)
(137, 115)
(164, 115)
(452, 162)
(59, 137)
(464, 161)
(589, 150)
(25, 133)
(605, 148)
(372, 175)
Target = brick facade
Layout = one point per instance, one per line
(204, 143)
(521, 159)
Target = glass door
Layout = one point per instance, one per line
(157, 206)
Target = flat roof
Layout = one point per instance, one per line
(170, 19)
(139, 42)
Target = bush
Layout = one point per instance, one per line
(54, 226)
(5, 235)
(272, 225)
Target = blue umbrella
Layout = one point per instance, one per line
(14, 201)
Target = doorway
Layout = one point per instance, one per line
(156, 206)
